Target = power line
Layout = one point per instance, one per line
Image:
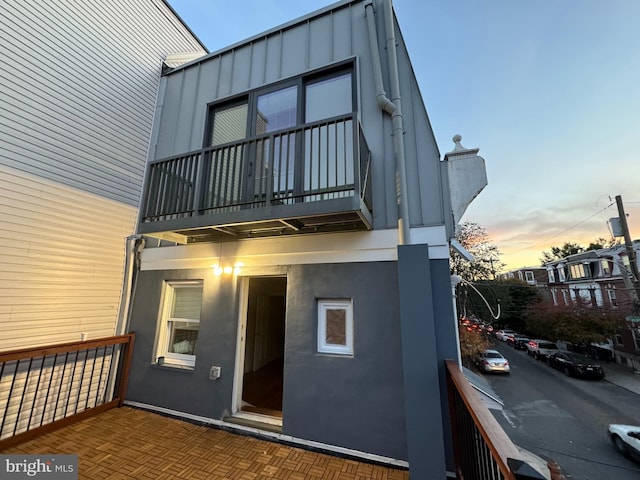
(564, 231)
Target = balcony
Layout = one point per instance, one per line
(312, 178)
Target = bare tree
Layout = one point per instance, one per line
(486, 264)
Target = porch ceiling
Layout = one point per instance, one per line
(334, 222)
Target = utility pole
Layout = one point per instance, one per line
(630, 252)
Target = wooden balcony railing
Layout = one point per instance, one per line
(482, 449)
(318, 161)
(45, 388)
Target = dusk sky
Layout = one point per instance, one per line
(548, 90)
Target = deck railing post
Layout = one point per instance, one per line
(123, 370)
(523, 471)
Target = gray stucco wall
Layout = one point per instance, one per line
(354, 402)
(188, 391)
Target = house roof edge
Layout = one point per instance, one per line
(285, 26)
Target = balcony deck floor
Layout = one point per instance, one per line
(129, 443)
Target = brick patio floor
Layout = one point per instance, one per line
(128, 443)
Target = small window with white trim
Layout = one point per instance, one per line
(562, 276)
(335, 326)
(636, 337)
(613, 300)
(180, 324)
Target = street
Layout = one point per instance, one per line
(563, 418)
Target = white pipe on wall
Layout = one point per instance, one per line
(394, 108)
(381, 96)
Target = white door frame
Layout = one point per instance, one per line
(238, 374)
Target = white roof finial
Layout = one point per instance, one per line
(457, 139)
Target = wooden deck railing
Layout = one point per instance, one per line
(45, 388)
(482, 449)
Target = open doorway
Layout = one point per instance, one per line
(262, 373)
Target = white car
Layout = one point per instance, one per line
(541, 349)
(503, 334)
(492, 361)
(626, 439)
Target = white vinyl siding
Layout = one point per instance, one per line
(79, 89)
(78, 96)
(61, 261)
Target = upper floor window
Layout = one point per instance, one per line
(530, 277)
(328, 97)
(277, 110)
(562, 276)
(285, 105)
(606, 270)
(229, 124)
(613, 300)
(636, 337)
(551, 276)
(578, 270)
(273, 142)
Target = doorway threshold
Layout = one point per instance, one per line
(256, 420)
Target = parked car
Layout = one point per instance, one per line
(473, 324)
(502, 334)
(492, 361)
(519, 342)
(541, 349)
(626, 439)
(575, 364)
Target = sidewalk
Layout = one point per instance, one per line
(622, 375)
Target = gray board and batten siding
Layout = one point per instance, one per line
(332, 35)
(78, 93)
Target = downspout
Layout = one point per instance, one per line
(134, 244)
(394, 108)
(381, 96)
